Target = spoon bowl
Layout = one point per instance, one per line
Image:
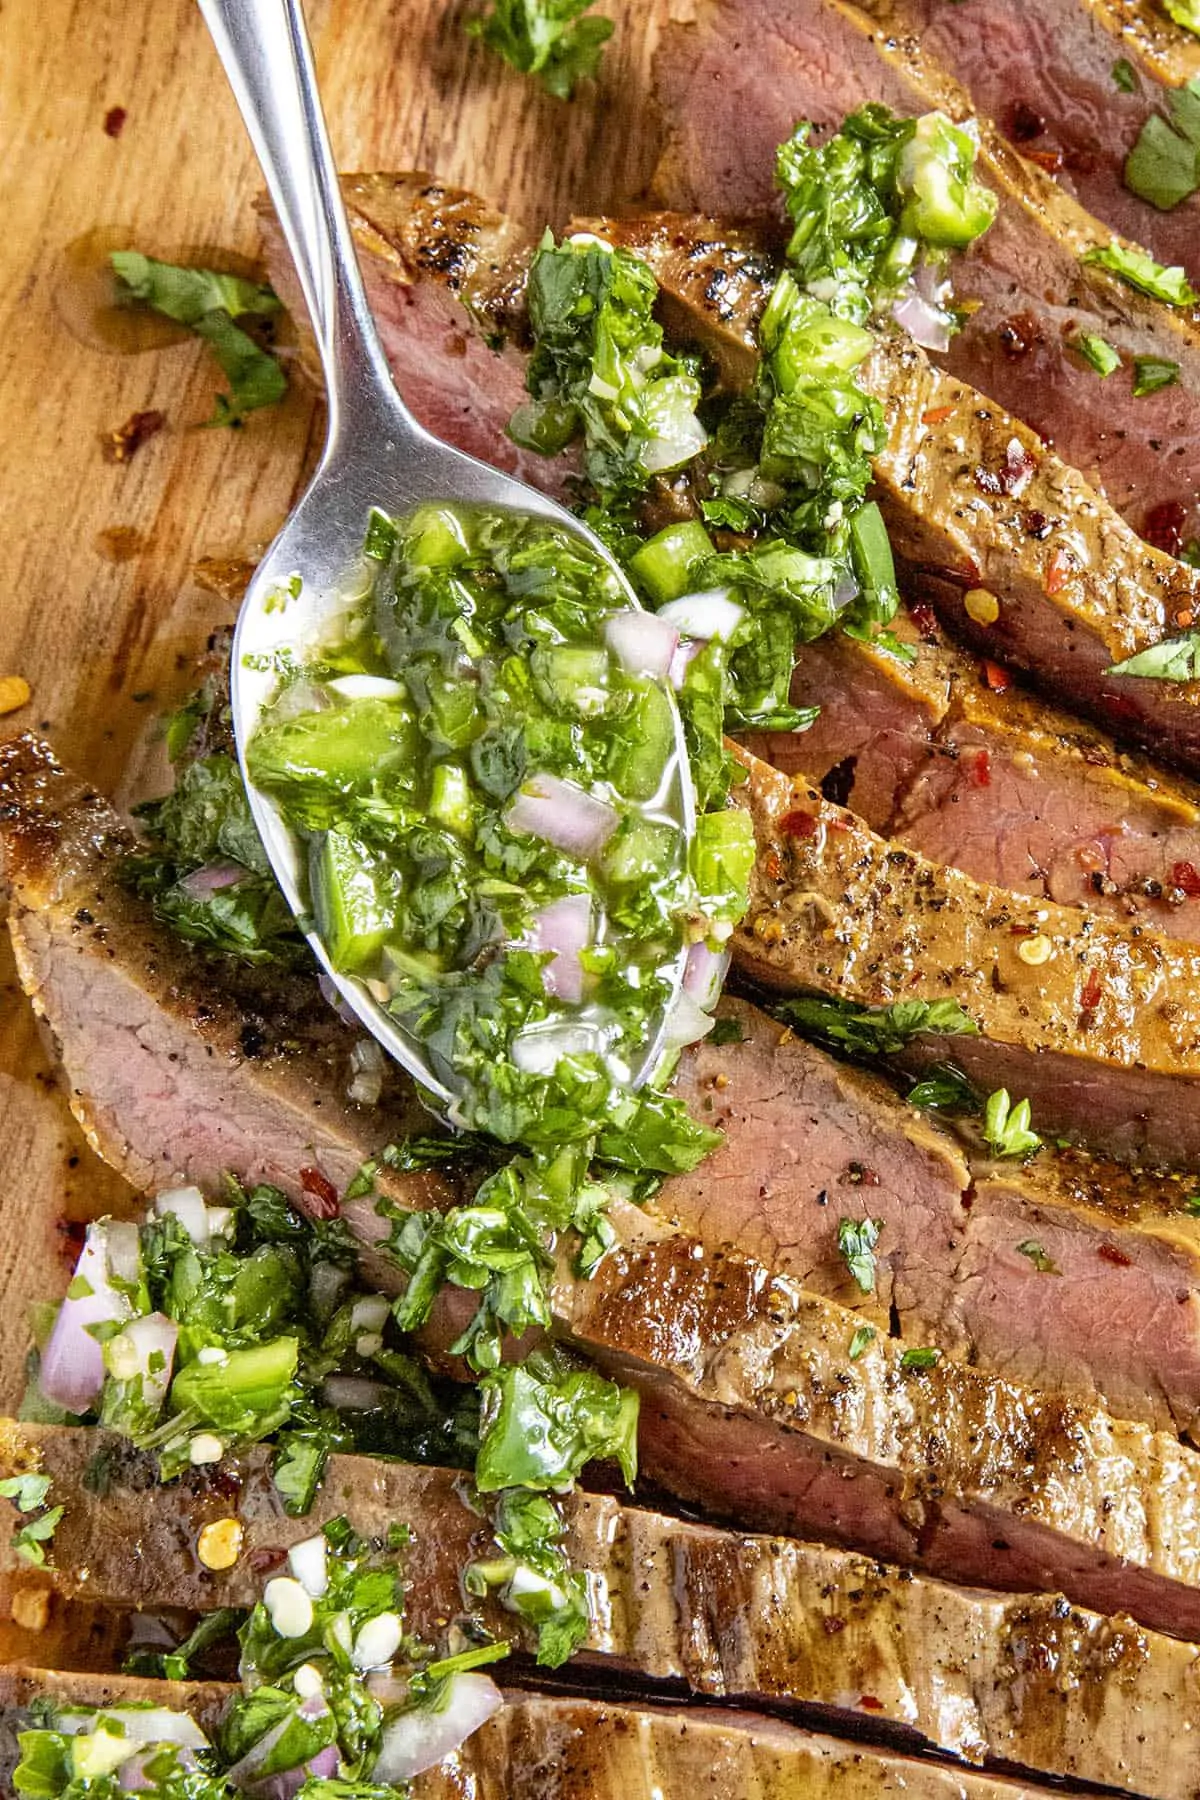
(376, 457)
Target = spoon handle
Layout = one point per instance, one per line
(265, 51)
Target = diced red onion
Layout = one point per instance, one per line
(924, 323)
(562, 814)
(133, 1352)
(643, 643)
(708, 615)
(421, 1738)
(540, 1048)
(682, 660)
(187, 1205)
(72, 1367)
(133, 1777)
(686, 1022)
(704, 975)
(333, 996)
(211, 879)
(563, 928)
(354, 1393)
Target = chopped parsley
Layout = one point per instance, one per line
(547, 38)
(1006, 1127)
(727, 1031)
(208, 303)
(1137, 270)
(946, 1089)
(856, 1239)
(28, 1494)
(1150, 373)
(1045, 1265)
(1124, 75)
(1174, 659)
(1164, 165)
(920, 1358)
(870, 1031)
(862, 1340)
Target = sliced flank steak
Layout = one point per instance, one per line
(808, 1143)
(752, 1619)
(1097, 1024)
(733, 85)
(570, 1747)
(1044, 73)
(1075, 590)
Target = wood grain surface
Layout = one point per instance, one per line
(98, 610)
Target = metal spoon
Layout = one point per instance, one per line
(376, 454)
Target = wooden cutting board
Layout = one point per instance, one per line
(115, 118)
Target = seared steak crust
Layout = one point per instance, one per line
(567, 1747)
(735, 1617)
(1099, 1026)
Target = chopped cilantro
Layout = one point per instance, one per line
(176, 1665)
(208, 303)
(944, 1090)
(546, 38)
(856, 1239)
(1124, 75)
(862, 1340)
(920, 1358)
(28, 1492)
(727, 1031)
(1140, 271)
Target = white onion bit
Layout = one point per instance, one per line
(307, 1561)
(704, 975)
(924, 323)
(419, 1739)
(187, 1205)
(72, 1366)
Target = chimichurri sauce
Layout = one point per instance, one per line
(485, 770)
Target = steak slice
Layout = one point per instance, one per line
(765, 1620)
(1110, 597)
(1098, 1025)
(732, 87)
(568, 1747)
(154, 1042)
(1044, 74)
(809, 1142)
(1069, 1273)
(974, 500)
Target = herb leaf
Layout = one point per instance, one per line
(876, 1030)
(1006, 1127)
(1045, 1265)
(1124, 76)
(546, 38)
(1096, 352)
(1174, 659)
(208, 303)
(920, 1358)
(856, 1239)
(1140, 271)
(1153, 372)
(862, 1340)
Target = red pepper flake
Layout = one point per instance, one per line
(1036, 524)
(1164, 526)
(869, 1703)
(322, 1193)
(1059, 572)
(925, 620)
(937, 415)
(981, 770)
(1184, 876)
(1184, 617)
(267, 1556)
(1093, 988)
(798, 825)
(123, 444)
(114, 121)
(1053, 161)
(773, 865)
(833, 1626)
(995, 677)
(1019, 335)
(1118, 1258)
